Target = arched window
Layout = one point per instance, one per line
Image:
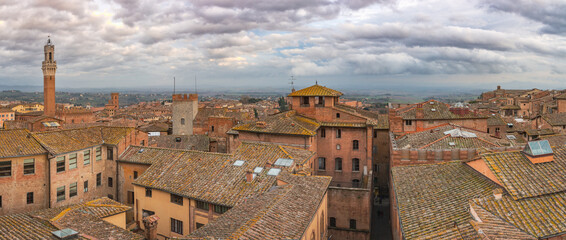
(355, 144)
(337, 146)
(182, 121)
(355, 165)
(50, 57)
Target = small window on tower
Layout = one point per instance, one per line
(50, 56)
(182, 121)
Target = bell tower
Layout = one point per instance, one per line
(49, 66)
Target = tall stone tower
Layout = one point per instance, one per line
(183, 113)
(115, 100)
(49, 66)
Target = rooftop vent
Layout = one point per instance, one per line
(274, 171)
(66, 233)
(431, 102)
(238, 163)
(284, 162)
(433, 109)
(539, 151)
(141, 150)
(452, 143)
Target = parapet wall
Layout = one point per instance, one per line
(427, 156)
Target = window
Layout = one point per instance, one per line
(338, 133)
(212, 128)
(6, 169)
(182, 121)
(176, 226)
(148, 192)
(321, 163)
(85, 186)
(305, 101)
(337, 146)
(199, 225)
(374, 133)
(355, 145)
(176, 199)
(86, 157)
(60, 193)
(352, 223)
(130, 197)
(29, 198)
(332, 222)
(0, 201)
(73, 190)
(110, 153)
(322, 133)
(220, 209)
(319, 101)
(338, 164)
(99, 179)
(111, 196)
(135, 175)
(337, 115)
(61, 164)
(356, 183)
(202, 205)
(72, 161)
(408, 122)
(355, 165)
(142, 143)
(110, 182)
(98, 152)
(29, 166)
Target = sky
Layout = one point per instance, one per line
(233, 44)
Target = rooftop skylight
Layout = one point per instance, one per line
(274, 171)
(239, 163)
(284, 162)
(538, 148)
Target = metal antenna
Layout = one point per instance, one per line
(196, 83)
(173, 85)
(292, 83)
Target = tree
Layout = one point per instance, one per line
(282, 104)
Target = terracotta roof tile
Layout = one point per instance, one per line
(430, 209)
(282, 212)
(542, 216)
(495, 228)
(210, 177)
(555, 119)
(441, 111)
(64, 141)
(555, 140)
(283, 123)
(316, 90)
(19, 143)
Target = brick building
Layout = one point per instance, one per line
(6, 114)
(56, 168)
(113, 104)
(345, 140)
(432, 113)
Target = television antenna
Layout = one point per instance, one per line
(292, 82)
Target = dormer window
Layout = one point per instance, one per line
(539, 151)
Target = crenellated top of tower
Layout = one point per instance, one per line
(49, 65)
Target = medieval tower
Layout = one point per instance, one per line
(49, 66)
(183, 113)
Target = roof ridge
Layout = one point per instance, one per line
(181, 150)
(435, 141)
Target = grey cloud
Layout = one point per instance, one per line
(551, 13)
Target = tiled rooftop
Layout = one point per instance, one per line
(542, 216)
(316, 90)
(18, 143)
(282, 212)
(555, 140)
(431, 208)
(84, 218)
(211, 177)
(63, 141)
(522, 179)
(283, 123)
(495, 228)
(441, 111)
(436, 139)
(495, 120)
(555, 119)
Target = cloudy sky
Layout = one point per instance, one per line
(261, 43)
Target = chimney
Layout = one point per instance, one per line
(498, 193)
(150, 226)
(419, 111)
(249, 176)
(267, 165)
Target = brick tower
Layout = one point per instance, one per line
(49, 66)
